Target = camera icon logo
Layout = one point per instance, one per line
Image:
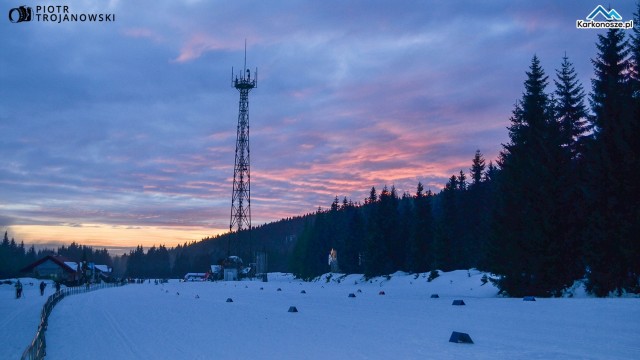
(20, 14)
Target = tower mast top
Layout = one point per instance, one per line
(243, 80)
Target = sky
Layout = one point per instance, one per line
(123, 132)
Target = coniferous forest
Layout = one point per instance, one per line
(558, 205)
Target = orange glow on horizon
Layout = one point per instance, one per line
(109, 236)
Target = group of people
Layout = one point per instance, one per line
(43, 285)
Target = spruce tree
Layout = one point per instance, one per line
(527, 247)
(610, 87)
(335, 205)
(376, 253)
(633, 246)
(350, 261)
(462, 181)
(404, 232)
(373, 197)
(491, 172)
(570, 109)
(477, 168)
(476, 210)
(388, 217)
(635, 52)
(612, 233)
(420, 254)
(446, 244)
(571, 115)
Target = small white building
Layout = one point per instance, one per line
(230, 274)
(232, 267)
(100, 272)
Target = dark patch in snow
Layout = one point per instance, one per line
(460, 338)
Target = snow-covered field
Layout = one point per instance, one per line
(19, 318)
(193, 321)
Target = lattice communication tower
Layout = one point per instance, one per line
(241, 197)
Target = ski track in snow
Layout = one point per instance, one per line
(19, 318)
(142, 321)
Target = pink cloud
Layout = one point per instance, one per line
(198, 44)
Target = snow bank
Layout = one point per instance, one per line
(192, 320)
(182, 320)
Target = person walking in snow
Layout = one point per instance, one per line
(18, 289)
(42, 286)
(57, 286)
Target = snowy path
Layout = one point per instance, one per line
(149, 321)
(19, 318)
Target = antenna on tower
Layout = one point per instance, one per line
(245, 55)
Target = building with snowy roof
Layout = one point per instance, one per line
(59, 268)
(56, 268)
(101, 272)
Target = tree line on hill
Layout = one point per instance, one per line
(276, 239)
(409, 232)
(14, 256)
(559, 205)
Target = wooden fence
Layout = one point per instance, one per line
(37, 348)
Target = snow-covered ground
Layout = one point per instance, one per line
(19, 318)
(193, 321)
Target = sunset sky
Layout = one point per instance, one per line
(121, 133)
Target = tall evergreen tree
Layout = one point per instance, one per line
(335, 205)
(570, 108)
(446, 246)
(373, 197)
(462, 181)
(135, 263)
(527, 249)
(404, 232)
(571, 115)
(491, 172)
(476, 212)
(350, 262)
(612, 249)
(477, 168)
(635, 52)
(376, 255)
(419, 254)
(388, 217)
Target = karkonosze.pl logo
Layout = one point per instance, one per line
(56, 14)
(612, 17)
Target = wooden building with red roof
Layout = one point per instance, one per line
(56, 268)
